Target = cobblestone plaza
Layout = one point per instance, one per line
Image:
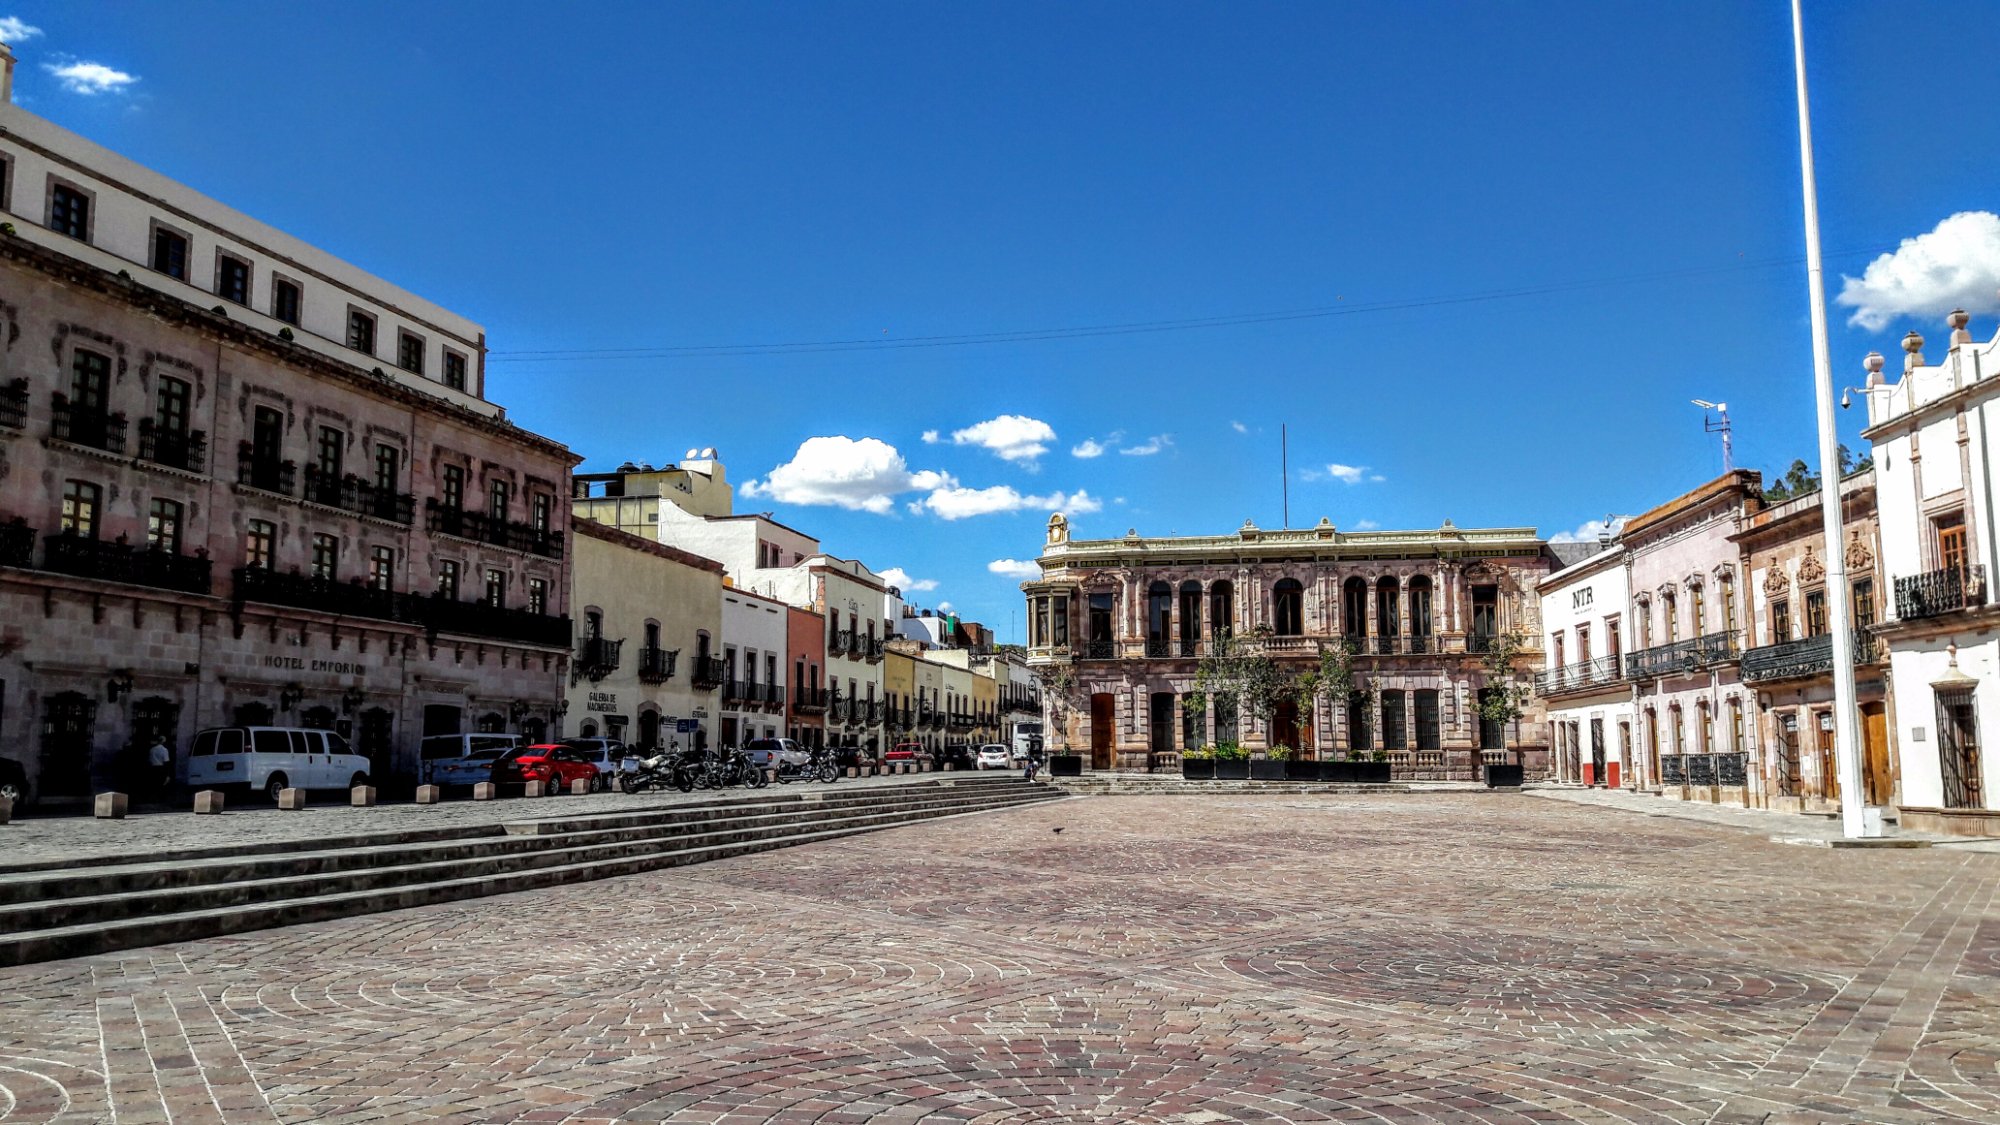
(1412, 958)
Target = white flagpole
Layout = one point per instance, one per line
(1854, 820)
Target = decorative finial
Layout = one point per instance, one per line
(1913, 346)
(1873, 363)
(1951, 655)
(1958, 319)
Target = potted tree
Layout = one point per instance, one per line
(1198, 763)
(1059, 688)
(1240, 675)
(1232, 762)
(1502, 701)
(1271, 767)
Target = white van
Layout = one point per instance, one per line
(268, 759)
(457, 759)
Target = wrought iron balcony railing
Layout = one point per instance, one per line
(480, 527)
(1098, 650)
(96, 429)
(598, 657)
(17, 543)
(1481, 642)
(738, 692)
(707, 673)
(656, 664)
(773, 697)
(265, 474)
(1188, 648)
(1581, 675)
(14, 405)
(1682, 657)
(122, 562)
(186, 450)
(1420, 645)
(1940, 591)
(809, 701)
(352, 494)
(325, 595)
(1388, 646)
(1158, 647)
(447, 615)
(1809, 656)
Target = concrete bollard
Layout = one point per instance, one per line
(291, 800)
(111, 806)
(482, 791)
(427, 794)
(534, 789)
(6, 809)
(208, 802)
(361, 796)
(579, 786)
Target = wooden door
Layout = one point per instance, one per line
(1876, 782)
(1103, 729)
(1829, 774)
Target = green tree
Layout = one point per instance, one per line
(1507, 691)
(1239, 673)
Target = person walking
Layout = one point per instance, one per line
(1033, 767)
(160, 766)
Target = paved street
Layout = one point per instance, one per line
(1434, 958)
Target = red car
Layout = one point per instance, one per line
(553, 765)
(902, 752)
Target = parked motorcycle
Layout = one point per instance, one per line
(657, 772)
(818, 766)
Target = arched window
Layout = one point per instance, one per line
(1190, 627)
(1388, 614)
(1288, 608)
(253, 715)
(316, 718)
(1159, 617)
(1420, 614)
(492, 722)
(1221, 610)
(1354, 611)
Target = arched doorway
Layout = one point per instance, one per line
(1285, 725)
(1103, 730)
(649, 730)
(68, 719)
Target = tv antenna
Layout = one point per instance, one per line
(1718, 425)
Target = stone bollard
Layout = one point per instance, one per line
(6, 809)
(427, 794)
(535, 789)
(111, 806)
(579, 786)
(482, 791)
(361, 796)
(291, 800)
(208, 802)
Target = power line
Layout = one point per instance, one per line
(1338, 309)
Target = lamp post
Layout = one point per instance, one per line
(1855, 819)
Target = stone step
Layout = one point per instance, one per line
(319, 897)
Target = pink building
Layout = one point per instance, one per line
(243, 481)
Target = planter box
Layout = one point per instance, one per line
(1263, 769)
(1198, 769)
(1236, 769)
(1501, 775)
(1065, 765)
(1336, 771)
(1355, 773)
(1296, 770)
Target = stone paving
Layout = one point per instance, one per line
(1382, 958)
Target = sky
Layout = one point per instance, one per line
(923, 273)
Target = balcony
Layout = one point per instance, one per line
(962, 720)
(1577, 677)
(1793, 660)
(482, 528)
(872, 651)
(1482, 642)
(121, 562)
(265, 474)
(598, 657)
(773, 697)
(17, 543)
(1682, 657)
(14, 405)
(1158, 648)
(656, 664)
(1939, 592)
(1189, 647)
(735, 693)
(708, 673)
(95, 429)
(186, 450)
(323, 595)
(809, 701)
(1098, 650)
(1387, 646)
(447, 615)
(876, 713)
(352, 494)
(1419, 646)
(836, 644)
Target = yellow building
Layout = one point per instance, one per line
(647, 616)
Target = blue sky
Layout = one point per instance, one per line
(1519, 238)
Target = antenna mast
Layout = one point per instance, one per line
(1718, 425)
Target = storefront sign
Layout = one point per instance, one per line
(303, 664)
(602, 701)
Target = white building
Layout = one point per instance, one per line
(1584, 609)
(753, 659)
(1935, 477)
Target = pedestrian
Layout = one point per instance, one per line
(160, 761)
(1034, 765)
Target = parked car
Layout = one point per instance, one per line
(993, 757)
(469, 770)
(766, 753)
(551, 763)
(447, 751)
(604, 753)
(960, 756)
(901, 752)
(846, 756)
(13, 782)
(270, 759)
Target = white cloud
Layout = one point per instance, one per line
(1956, 266)
(954, 503)
(1365, 525)
(899, 578)
(1150, 446)
(13, 29)
(1239, 427)
(1011, 437)
(1022, 569)
(1088, 448)
(1591, 531)
(863, 475)
(1347, 474)
(930, 437)
(89, 78)
(945, 607)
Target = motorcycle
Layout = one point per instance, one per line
(818, 766)
(656, 772)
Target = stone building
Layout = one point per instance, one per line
(242, 480)
(1788, 655)
(1117, 629)
(648, 614)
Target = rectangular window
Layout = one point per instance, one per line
(538, 595)
(454, 487)
(499, 496)
(1864, 603)
(1429, 732)
(496, 588)
(1700, 614)
(286, 299)
(382, 568)
(388, 468)
(163, 526)
(541, 508)
(410, 352)
(89, 382)
(170, 407)
(232, 279)
(326, 557)
(1728, 606)
(448, 579)
(1611, 648)
(1950, 531)
(1781, 622)
(1395, 735)
(1583, 644)
(360, 331)
(1671, 618)
(454, 371)
(260, 543)
(1680, 734)
(1736, 726)
(332, 453)
(170, 253)
(1815, 613)
(69, 212)
(80, 501)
